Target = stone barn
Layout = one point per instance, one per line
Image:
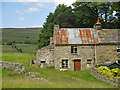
(80, 48)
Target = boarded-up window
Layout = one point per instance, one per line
(64, 63)
(89, 62)
(74, 49)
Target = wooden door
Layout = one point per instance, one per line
(77, 65)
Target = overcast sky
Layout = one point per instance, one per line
(26, 13)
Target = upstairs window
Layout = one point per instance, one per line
(74, 49)
(118, 49)
(64, 63)
(89, 62)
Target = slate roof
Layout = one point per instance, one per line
(76, 36)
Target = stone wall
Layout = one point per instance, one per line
(106, 53)
(64, 52)
(104, 78)
(108, 35)
(46, 54)
(13, 66)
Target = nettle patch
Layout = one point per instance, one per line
(111, 74)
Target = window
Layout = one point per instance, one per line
(33, 62)
(118, 49)
(89, 62)
(64, 63)
(42, 62)
(74, 49)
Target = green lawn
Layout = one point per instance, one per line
(27, 48)
(57, 79)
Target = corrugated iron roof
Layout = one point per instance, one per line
(76, 36)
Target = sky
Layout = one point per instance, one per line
(28, 13)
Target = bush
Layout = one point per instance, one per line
(9, 43)
(27, 42)
(109, 73)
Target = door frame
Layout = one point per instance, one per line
(77, 59)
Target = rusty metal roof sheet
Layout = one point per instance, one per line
(76, 36)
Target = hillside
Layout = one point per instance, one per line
(20, 35)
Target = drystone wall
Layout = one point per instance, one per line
(13, 66)
(104, 78)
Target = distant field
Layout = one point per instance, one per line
(27, 48)
(7, 49)
(20, 34)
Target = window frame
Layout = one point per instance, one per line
(64, 63)
(88, 63)
(74, 49)
(118, 49)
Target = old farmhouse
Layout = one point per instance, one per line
(80, 48)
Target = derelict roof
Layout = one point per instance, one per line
(76, 36)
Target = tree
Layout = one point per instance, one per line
(82, 15)
(63, 16)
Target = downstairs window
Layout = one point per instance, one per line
(64, 63)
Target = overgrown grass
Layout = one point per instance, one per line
(57, 79)
(19, 58)
(27, 48)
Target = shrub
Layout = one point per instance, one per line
(109, 73)
(27, 42)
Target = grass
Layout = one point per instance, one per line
(20, 34)
(57, 79)
(27, 48)
(19, 58)
(7, 49)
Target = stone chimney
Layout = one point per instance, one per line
(56, 27)
(51, 40)
(98, 25)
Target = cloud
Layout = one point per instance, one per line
(34, 0)
(40, 4)
(27, 3)
(21, 18)
(31, 10)
(19, 12)
(66, 2)
(36, 26)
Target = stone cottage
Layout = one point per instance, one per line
(80, 48)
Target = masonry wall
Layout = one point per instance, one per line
(13, 66)
(46, 54)
(64, 52)
(106, 53)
